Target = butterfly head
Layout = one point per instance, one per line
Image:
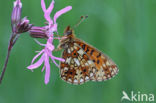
(67, 38)
(68, 31)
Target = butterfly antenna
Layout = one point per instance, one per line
(82, 18)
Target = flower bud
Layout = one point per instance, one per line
(23, 26)
(38, 32)
(16, 14)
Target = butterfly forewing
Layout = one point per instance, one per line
(105, 67)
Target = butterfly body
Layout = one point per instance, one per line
(83, 62)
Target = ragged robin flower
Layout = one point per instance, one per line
(47, 32)
(18, 26)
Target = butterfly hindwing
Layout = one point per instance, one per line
(77, 68)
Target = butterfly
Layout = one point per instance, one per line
(83, 62)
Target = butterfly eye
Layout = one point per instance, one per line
(68, 32)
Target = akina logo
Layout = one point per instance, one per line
(137, 97)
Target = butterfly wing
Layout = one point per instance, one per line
(105, 67)
(77, 68)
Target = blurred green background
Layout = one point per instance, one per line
(123, 29)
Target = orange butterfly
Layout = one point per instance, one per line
(83, 62)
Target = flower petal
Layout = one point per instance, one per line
(47, 17)
(39, 43)
(62, 11)
(48, 11)
(60, 59)
(55, 63)
(53, 57)
(47, 71)
(37, 56)
(43, 6)
(50, 8)
(37, 64)
(43, 68)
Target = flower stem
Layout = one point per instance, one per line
(5, 65)
(11, 43)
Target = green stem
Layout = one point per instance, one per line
(5, 65)
(11, 43)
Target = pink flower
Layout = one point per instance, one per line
(46, 53)
(19, 25)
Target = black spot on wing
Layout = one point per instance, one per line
(91, 52)
(87, 50)
(98, 61)
(83, 46)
